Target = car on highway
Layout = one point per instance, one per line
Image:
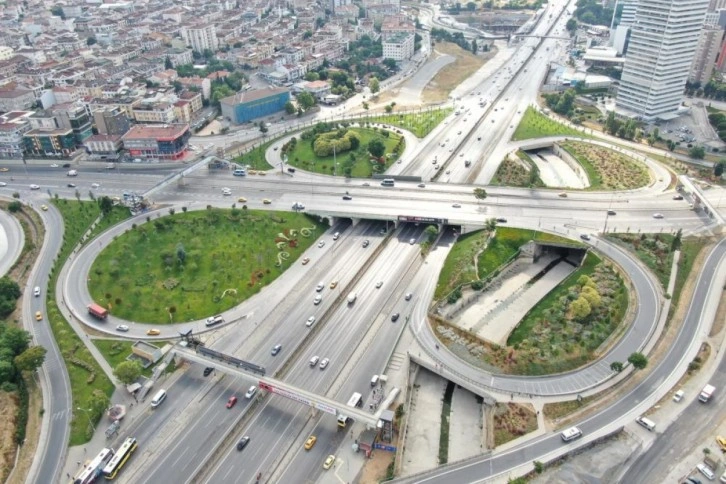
(54, 165)
(95, 185)
(421, 185)
(153, 332)
(321, 244)
(251, 392)
(305, 260)
(336, 235)
(276, 349)
(266, 201)
(333, 284)
(3, 184)
(208, 371)
(412, 241)
(366, 184)
(3, 169)
(314, 360)
(34, 187)
(347, 197)
(310, 321)
(324, 363)
(501, 220)
(122, 327)
(226, 191)
(242, 199)
(585, 237)
(231, 402)
(379, 284)
(36, 291)
(44, 208)
(243, 442)
(38, 316)
(678, 396)
(329, 461)
(657, 215)
(71, 185)
(318, 299)
(408, 296)
(562, 195)
(677, 197)
(310, 442)
(612, 212)
(394, 317)
(456, 205)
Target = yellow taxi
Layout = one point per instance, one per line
(38, 316)
(310, 442)
(333, 284)
(153, 332)
(721, 443)
(329, 461)
(44, 208)
(261, 173)
(242, 199)
(266, 201)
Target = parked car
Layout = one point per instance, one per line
(379, 284)
(266, 201)
(305, 260)
(366, 243)
(612, 212)
(242, 199)
(329, 461)
(678, 396)
(34, 187)
(226, 191)
(321, 244)
(208, 371)
(333, 284)
(657, 215)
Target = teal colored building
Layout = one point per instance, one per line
(248, 105)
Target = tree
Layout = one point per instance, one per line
(306, 100)
(718, 169)
(580, 308)
(105, 204)
(388, 108)
(30, 359)
(181, 254)
(616, 366)
(289, 108)
(263, 128)
(474, 47)
(676, 244)
(538, 467)
(127, 371)
(15, 340)
(431, 232)
(374, 85)
(571, 25)
(697, 152)
(376, 148)
(15, 206)
(480, 193)
(638, 360)
(389, 63)
(671, 145)
(9, 293)
(167, 63)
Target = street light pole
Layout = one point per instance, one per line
(89, 417)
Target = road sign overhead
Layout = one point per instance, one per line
(429, 220)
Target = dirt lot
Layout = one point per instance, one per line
(512, 420)
(375, 469)
(453, 74)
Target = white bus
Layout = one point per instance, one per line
(94, 468)
(117, 461)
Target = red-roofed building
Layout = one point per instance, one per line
(166, 141)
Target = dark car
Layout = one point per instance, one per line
(208, 370)
(612, 212)
(677, 197)
(66, 165)
(501, 220)
(585, 237)
(394, 317)
(291, 170)
(243, 442)
(347, 197)
(71, 185)
(365, 243)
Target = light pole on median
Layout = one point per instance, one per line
(88, 415)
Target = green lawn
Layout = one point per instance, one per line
(536, 125)
(77, 218)
(255, 158)
(116, 351)
(302, 156)
(420, 123)
(228, 255)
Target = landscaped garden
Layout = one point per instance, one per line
(512, 420)
(188, 266)
(468, 255)
(607, 169)
(420, 123)
(536, 125)
(344, 150)
(517, 172)
(90, 387)
(255, 158)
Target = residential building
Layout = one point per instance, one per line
(197, 83)
(111, 120)
(319, 89)
(201, 37)
(157, 141)
(661, 47)
(245, 106)
(6, 52)
(707, 50)
(50, 142)
(396, 24)
(13, 126)
(15, 98)
(161, 112)
(398, 47)
(73, 116)
(179, 57)
(104, 146)
(194, 99)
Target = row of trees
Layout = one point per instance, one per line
(592, 12)
(442, 35)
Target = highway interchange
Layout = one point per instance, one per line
(185, 431)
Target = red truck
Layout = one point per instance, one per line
(97, 311)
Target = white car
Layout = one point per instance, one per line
(95, 185)
(36, 291)
(379, 284)
(226, 191)
(3, 184)
(456, 205)
(310, 321)
(324, 363)
(122, 327)
(321, 244)
(35, 187)
(657, 215)
(318, 299)
(54, 165)
(251, 392)
(412, 241)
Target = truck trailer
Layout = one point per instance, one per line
(97, 311)
(706, 393)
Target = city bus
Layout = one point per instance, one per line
(356, 400)
(94, 468)
(118, 460)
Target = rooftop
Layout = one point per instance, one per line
(163, 131)
(247, 96)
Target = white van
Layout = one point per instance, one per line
(374, 380)
(571, 434)
(72, 173)
(240, 172)
(706, 471)
(646, 422)
(158, 398)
